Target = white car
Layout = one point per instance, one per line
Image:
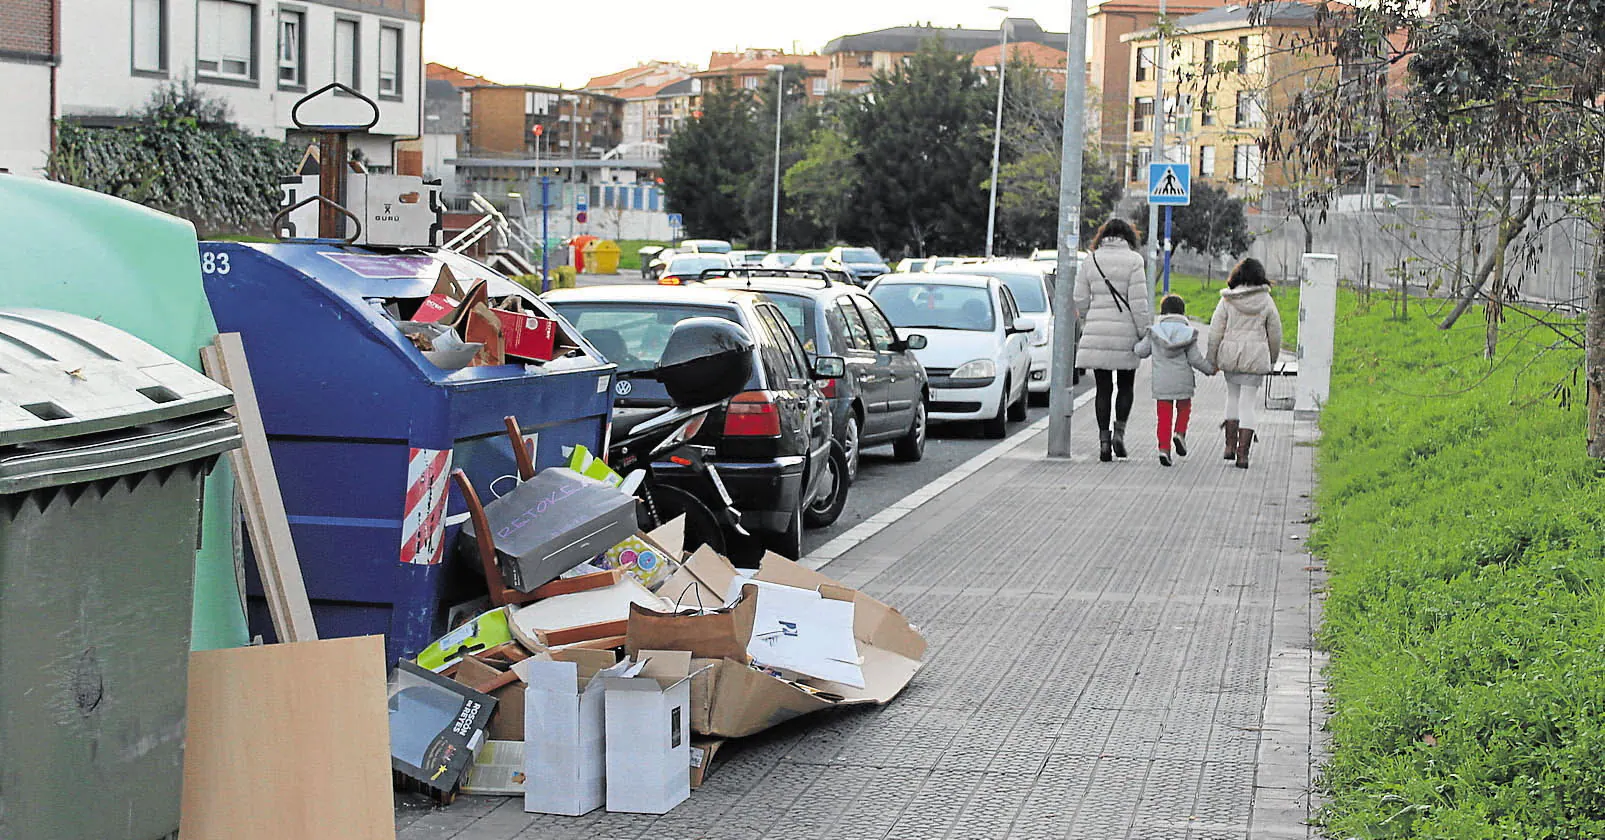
(814, 259)
(778, 260)
(687, 268)
(739, 258)
(1028, 282)
(976, 359)
(909, 265)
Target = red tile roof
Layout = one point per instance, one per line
(443, 72)
(1041, 55)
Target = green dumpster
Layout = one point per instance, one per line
(105, 444)
(83, 252)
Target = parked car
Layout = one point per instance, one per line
(812, 259)
(976, 359)
(864, 263)
(772, 442)
(882, 399)
(1032, 292)
(652, 268)
(703, 246)
(911, 264)
(778, 260)
(685, 268)
(747, 257)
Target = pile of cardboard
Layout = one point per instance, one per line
(609, 693)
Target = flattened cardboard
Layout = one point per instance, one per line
(805, 632)
(648, 724)
(702, 582)
(702, 753)
(564, 735)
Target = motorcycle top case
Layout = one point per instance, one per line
(706, 360)
(554, 522)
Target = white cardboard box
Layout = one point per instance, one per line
(564, 750)
(649, 734)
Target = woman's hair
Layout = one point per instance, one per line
(1115, 227)
(1172, 305)
(1249, 272)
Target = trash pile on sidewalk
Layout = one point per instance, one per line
(613, 656)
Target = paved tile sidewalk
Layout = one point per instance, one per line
(1117, 651)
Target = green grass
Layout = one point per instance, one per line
(1464, 530)
(1201, 298)
(629, 258)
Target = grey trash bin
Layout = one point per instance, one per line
(104, 446)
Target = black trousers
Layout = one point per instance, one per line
(1107, 382)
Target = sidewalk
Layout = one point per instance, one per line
(1117, 651)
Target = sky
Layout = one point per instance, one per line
(565, 43)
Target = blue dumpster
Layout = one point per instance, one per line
(364, 430)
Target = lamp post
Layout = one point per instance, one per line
(997, 125)
(1159, 153)
(774, 193)
(1061, 396)
(573, 152)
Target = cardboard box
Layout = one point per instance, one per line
(732, 699)
(554, 522)
(435, 726)
(649, 734)
(507, 722)
(434, 308)
(564, 742)
(498, 769)
(702, 753)
(527, 336)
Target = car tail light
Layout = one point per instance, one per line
(752, 414)
(669, 280)
(828, 389)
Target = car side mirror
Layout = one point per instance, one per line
(830, 367)
(914, 341)
(1023, 325)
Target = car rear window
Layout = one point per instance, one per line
(693, 265)
(799, 313)
(936, 306)
(633, 335)
(860, 255)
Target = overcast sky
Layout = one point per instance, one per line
(565, 43)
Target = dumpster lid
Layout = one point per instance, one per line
(65, 375)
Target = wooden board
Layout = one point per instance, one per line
(257, 485)
(289, 740)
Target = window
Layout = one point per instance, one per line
(1206, 161)
(857, 330)
(1181, 113)
(1246, 163)
(1206, 109)
(1145, 60)
(819, 86)
(1250, 108)
(866, 59)
(799, 313)
(150, 36)
(1139, 164)
(1142, 114)
(880, 330)
(292, 46)
(1242, 55)
(347, 53)
(782, 353)
(1208, 56)
(225, 39)
(390, 75)
(749, 82)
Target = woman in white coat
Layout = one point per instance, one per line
(1115, 308)
(1245, 339)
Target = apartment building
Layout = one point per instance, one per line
(1231, 74)
(749, 69)
(852, 60)
(259, 56)
(1050, 60)
(501, 122)
(1109, 61)
(657, 96)
(30, 52)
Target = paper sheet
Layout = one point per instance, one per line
(799, 630)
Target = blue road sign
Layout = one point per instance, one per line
(674, 220)
(1170, 183)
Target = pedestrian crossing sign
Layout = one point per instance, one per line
(1170, 183)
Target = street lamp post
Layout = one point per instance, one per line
(1061, 396)
(573, 153)
(1159, 154)
(774, 197)
(997, 125)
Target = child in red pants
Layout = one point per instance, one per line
(1173, 344)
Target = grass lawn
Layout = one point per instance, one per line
(1463, 528)
(629, 259)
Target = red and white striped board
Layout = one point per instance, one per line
(423, 522)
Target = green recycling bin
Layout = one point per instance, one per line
(105, 443)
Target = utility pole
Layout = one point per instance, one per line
(997, 126)
(1158, 154)
(573, 154)
(774, 193)
(1061, 396)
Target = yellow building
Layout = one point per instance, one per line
(1228, 70)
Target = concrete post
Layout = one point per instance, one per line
(1317, 322)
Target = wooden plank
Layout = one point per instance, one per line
(289, 740)
(582, 633)
(257, 485)
(578, 583)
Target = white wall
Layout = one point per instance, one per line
(97, 78)
(25, 126)
(438, 148)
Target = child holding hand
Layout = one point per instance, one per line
(1173, 344)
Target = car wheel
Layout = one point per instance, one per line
(787, 544)
(911, 446)
(852, 436)
(834, 483)
(1017, 409)
(998, 426)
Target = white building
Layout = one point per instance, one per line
(28, 58)
(258, 55)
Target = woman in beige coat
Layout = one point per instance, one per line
(1115, 308)
(1245, 339)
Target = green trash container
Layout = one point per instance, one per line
(105, 443)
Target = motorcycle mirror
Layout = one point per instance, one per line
(706, 360)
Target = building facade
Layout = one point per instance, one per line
(749, 69)
(1109, 62)
(30, 52)
(258, 56)
(502, 121)
(853, 60)
(1229, 77)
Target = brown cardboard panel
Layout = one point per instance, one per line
(289, 740)
(507, 722)
(711, 636)
(702, 753)
(701, 582)
(746, 701)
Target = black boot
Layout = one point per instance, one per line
(1105, 446)
(1119, 439)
